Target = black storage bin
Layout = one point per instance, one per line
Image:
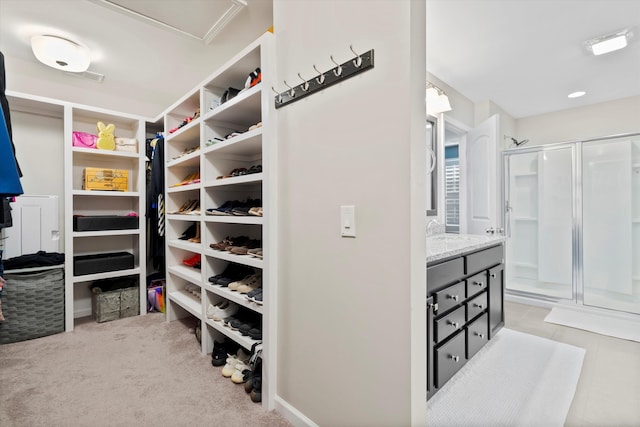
(100, 263)
(104, 222)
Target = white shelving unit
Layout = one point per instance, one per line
(79, 201)
(188, 151)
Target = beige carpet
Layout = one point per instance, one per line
(139, 371)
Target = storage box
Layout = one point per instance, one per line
(105, 179)
(32, 304)
(100, 263)
(104, 222)
(113, 299)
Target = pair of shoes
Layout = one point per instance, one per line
(193, 289)
(254, 78)
(194, 261)
(247, 284)
(254, 169)
(233, 360)
(256, 126)
(253, 382)
(196, 238)
(229, 242)
(184, 208)
(187, 151)
(255, 211)
(235, 207)
(190, 232)
(256, 252)
(222, 350)
(232, 273)
(222, 310)
(243, 248)
(193, 178)
(255, 295)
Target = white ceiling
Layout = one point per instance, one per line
(527, 55)
(524, 55)
(147, 65)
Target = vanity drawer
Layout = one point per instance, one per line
(449, 359)
(450, 297)
(477, 334)
(477, 283)
(484, 259)
(476, 306)
(449, 324)
(444, 273)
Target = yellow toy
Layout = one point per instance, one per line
(106, 140)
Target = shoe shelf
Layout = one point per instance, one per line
(254, 178)
(238, 259)
(234, 296)
(187, 273)
(80, 201)
(185, 245)
(238, 109)
(226, 145)
(234, 219)
(236, 336)
(187, 301)
(245, 144)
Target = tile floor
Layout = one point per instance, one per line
(608, 392)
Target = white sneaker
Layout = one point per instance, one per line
(212, 309)
(220, 313)
(233, 361)
(237, 377)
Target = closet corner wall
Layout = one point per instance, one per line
(195, 163)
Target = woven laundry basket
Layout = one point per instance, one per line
(33, 305)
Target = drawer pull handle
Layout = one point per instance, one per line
(481, 336)
(453, 297)
(454, 324)
(456, 359)
(478, 283)
(479, 306)
(493, 275)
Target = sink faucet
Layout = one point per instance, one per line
(433, 222)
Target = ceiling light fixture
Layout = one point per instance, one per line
(60, 53)
(577, 94)
(437, 100)
(610, 42)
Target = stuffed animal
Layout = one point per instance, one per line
(106, 140)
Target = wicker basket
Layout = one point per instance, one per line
(114, 304)
(33, 305)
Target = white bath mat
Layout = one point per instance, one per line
(517, 379)
(600, 323)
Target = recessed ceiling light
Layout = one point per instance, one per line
(577, 94)
(610, 42)
(60, 53)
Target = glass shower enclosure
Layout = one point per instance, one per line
(572, 212)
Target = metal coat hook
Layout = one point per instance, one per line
(305, 83)
(292, 92)
(358, 61)
(278, 96)
(337, 72)
(320, 79)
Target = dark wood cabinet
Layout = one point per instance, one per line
(465, 308)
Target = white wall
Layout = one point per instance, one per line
(39, 148)
(352, 316)
(603, 119)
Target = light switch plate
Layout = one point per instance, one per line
(348, 221)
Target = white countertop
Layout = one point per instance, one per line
(440, 246)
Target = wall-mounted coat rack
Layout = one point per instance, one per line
(335, 75)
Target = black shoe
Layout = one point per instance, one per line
(219, 354)
(256, 392)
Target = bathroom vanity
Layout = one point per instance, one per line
(465, 301)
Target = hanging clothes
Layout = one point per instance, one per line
(155, 207)
(9, 172)
(4, 103)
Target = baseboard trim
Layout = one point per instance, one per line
(295, 417)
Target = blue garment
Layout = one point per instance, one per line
(9, 179)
